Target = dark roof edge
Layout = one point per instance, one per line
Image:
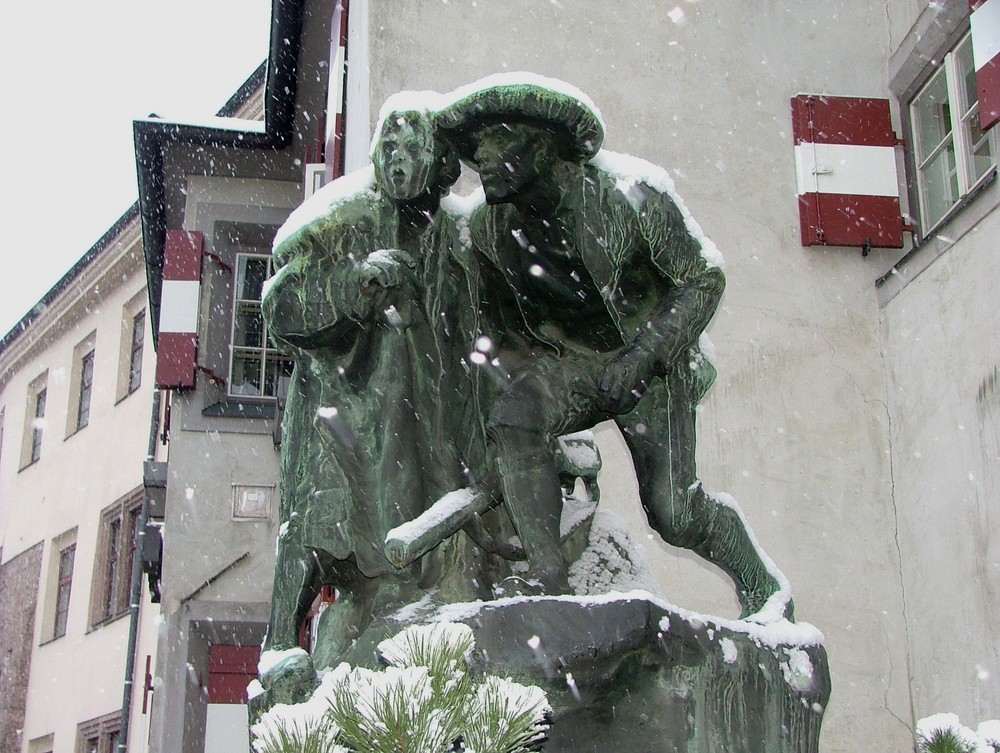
(75, 271)
(151, 136)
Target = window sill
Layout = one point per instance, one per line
(237, 408)
(49, 641)
(107, 621)
(126, 396)
(959, 221)
(76, 431)
(28, 465)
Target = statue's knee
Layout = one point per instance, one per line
(684, 520)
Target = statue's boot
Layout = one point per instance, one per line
(533, 498)
(728, 544)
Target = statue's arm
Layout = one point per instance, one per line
(316, 297)
(689, 290)
(691, 286)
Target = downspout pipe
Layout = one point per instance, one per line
(135, 596)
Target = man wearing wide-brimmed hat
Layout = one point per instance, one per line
(596, 288)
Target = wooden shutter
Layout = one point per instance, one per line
(986, 53)
(177, 355)
(230, 670)
(845, 164)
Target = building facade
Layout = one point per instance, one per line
(855, 415)
(77, 407)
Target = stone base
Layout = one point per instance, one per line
(628, 672)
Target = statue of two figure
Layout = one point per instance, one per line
(444, 344)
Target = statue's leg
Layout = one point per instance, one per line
(660, 434)
(529, 479)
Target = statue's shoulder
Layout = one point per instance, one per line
(631, 179)
(349, 203)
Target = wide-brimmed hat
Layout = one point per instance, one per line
(522, 98)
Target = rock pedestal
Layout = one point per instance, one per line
(628, 672)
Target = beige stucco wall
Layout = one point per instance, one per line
(940, 340)
(796, 426)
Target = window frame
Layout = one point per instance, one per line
(104, 731)
(217, 207)
(961, 115)
(131, 346)
(35, 406)
(112, 583)
(64, 580)
(85, 389)
(135, 351)
(81, 392)
(267, 352)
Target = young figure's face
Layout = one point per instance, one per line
(509, 159)
(404, 158)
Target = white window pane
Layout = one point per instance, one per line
(932, 115)
(939, 185)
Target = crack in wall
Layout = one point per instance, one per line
(895, 534)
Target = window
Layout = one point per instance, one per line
(86, 384)
(952, 153)
(99, 735)
(256, 363)
(133, 335)
(34, 423)
(81, 385)
(63, 585)
(113, 566)
(135, 353)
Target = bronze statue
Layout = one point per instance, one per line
(365, 301)
(595, 294)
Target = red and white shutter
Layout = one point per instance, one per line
(845, 162)
(176, 358)
(986, 53)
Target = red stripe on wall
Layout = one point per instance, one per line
(182, 255)
(848, 220)
(988, 83)
(819, 119)
(175, 360)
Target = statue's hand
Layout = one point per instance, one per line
(624, 380)
(385, 268)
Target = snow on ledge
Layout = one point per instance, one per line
(771, 635)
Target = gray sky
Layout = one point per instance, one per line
(74, 76)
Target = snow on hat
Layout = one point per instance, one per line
(522, 98)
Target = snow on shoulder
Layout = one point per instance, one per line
(627, 171)
(325, 202)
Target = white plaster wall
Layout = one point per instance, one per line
(940, 340)
(796, 426)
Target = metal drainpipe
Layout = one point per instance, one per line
(136, 590)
